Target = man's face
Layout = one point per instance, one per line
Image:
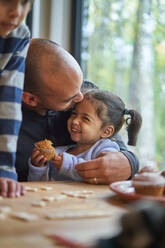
(12, 13)
(61, 95)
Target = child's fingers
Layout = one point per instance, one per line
(41, 164)
(38, 159)
(57, 158)
(35, 153)
(43, 160)
(34, 150)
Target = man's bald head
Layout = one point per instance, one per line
(51, 70)
(46, 57)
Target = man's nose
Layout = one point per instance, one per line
(15, 10)
(78, 98)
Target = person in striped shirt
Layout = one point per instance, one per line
(14, 42)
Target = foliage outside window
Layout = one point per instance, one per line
(123, 50)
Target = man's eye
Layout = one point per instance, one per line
(73, 113)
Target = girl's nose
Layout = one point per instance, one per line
(75, 120)
(78, 98)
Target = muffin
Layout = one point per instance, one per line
(148, 184)
(151, 169)
(46, 149)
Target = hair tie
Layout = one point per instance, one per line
(126, 112)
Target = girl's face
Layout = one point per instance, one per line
(84, 125)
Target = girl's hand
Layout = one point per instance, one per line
(37, 159)
(57, 161)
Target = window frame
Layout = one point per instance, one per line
(76, 29)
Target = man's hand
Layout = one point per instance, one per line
(11, 188)
(107, 168)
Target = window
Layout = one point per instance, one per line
(123, 50)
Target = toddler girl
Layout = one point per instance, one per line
(92, 124)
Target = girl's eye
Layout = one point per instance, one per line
(86, 118)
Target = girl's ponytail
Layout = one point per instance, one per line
(133, 123)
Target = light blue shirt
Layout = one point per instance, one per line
(68, 170)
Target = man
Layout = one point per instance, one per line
(52, 82)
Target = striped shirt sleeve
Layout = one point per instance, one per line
(13, 50)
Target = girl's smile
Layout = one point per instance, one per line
(84, 125)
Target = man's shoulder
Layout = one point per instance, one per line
(29, 114)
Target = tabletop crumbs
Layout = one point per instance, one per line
(48, 198)
(88, 192)
(77, 194)
(24, 216)
(53, 198)
(31, 189)
(46, 188)
(81, 214)
(38, 204)
(5, 209)
(60, 197)
(2, 216)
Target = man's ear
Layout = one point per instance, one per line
(107, 131)
(30, 99)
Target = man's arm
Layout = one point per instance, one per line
(109, 166)
(13, 50)
(70, 161)
(133, 160)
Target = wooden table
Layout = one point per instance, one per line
(17, 234)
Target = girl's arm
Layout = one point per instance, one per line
(38, 170)
(69, 161)
(38, 173)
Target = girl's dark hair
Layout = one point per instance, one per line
(111, 110)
